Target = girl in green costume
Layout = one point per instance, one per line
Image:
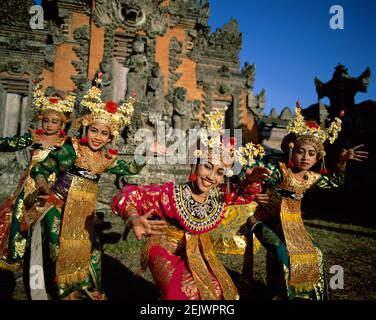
(52, 113)
(74, 255)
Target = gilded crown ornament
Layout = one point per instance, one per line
(223, 147)
(302, 132)
(46, 105)
(108, 112)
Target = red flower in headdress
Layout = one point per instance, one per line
(312, 124)
(298, 104)
(229, 142)
(35, 81)
(53, 100)
(113, 151)
(134, 93)
(111, 107)
(83, 140)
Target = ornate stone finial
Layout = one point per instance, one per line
(342, 88)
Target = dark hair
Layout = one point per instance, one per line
(291, 137)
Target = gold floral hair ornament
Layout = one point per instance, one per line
(212, 137)
(247, 154)
(309, 132)
(108, 112)
(56, 105)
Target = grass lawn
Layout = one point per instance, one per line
(349, 246)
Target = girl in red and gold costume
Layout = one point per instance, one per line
(294, 261)
(181, 258)
(69, 213)
(53, 114)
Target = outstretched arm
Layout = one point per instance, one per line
(123, 168)
(139, 205)
(352, 154)
(143, 225)
(12, 144)
(337, 178)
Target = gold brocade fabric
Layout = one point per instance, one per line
(302, 254)
(14, 209)
(226, 238)
(95, 162)
(200, 271)
(75, 238)
(200, 258)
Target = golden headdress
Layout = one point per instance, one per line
(309, 132)
(223, 148)
(108, 112)
(56, 105)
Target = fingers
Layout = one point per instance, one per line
(138, 232)
(158, 223)
(261, 198)
(361, 153)
(148, 214)
(157, 232)
(264, 172)
(358, 146)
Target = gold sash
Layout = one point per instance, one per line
(304, 273)
(200, 270)
(75, 237)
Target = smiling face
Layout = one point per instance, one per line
(209, 175)
(98, 135)
(304, 157)
(51, 124)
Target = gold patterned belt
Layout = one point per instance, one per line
(175, 235)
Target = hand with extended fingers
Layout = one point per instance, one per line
(261, 198)
(353, 154)
(258, 174)
(145, 226)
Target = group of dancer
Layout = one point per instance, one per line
(49, 219)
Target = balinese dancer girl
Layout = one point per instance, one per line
(294, 261)
(182, 260)
(53, 114)
(70, 208)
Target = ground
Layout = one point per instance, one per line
(349, 246)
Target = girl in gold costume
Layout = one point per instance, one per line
(294, 261)
(53, 114)
(181, 259)
(69, 212)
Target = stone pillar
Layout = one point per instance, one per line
(119, 79)
(2, 108)
(24, 119)
(11, 114)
